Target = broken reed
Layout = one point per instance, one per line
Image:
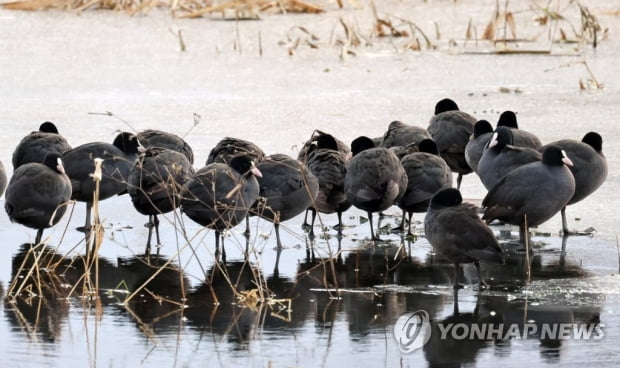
(553, 15)
(501, 30)
(231, 9)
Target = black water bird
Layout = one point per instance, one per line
(36, 145)
(230, 147)
(455, 230)
(533, 193)
(38, 194)
(589, 169)
(287, 188)
(329, 166)
(478, 141)
(401, 134)
(451, 128)
(427, 173)
(304, 155)
(219, 196)
(118, 161)
(375, 178)
(501, 157)
(155, 183)
(313, 142)
(522, 138)
(153, 138)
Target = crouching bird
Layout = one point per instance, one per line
(456, 231)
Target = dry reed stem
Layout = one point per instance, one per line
(527, 249)
(16, 288)
(244, 9)
(592, 82)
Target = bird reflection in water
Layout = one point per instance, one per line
(452, 342)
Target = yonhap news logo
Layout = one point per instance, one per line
(413, 330)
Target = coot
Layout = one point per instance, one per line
(220, 195)
(329, 166)
(118, 160)
(451, 128)
(522, 138)
(532, 193)
(153, 138)
(35, 146)
(589, 169)
(456, 231)
(38, 193)
(427, 173)
(375, 179)
(401, 134)
(478, 141)
(501, 157)
(155, 184)
(287, 188)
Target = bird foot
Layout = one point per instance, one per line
(397, 229)
(586, 232)
(458, 286)
(83, 229)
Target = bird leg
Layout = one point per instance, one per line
(156, 223)
(372, 232)
(564, 222)
(339, 227)
(456, 284)
(400, 228)
(455, 294)
(247, 226)
(38, 237)
(150, 225)
(217, 246)
(276, 268)
(562, 261)
(86, 227)
(247, 247)
(481, 283)
(305, 224)
(276, 226)
(409, 233)
(311, 232)
(459, 179)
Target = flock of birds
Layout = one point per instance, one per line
(409, 166)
